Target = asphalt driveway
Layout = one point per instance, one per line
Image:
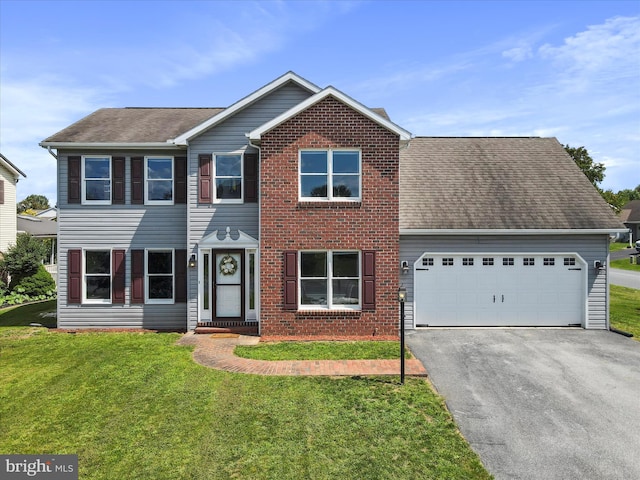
(540, 403)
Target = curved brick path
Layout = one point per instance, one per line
(218, 353)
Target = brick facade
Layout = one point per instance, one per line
(288, 224)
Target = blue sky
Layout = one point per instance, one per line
(569, 69)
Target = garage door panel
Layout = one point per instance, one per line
(500, 290)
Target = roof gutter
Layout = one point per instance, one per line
(131, 146)
(511, 231)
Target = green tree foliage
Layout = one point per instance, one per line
(33, 202)
(40, 283)
(23, 258)
(594, 171)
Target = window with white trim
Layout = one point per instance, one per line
(330, 175)
(228, 171)
(159, 272)
(97, 276)
(330, 279)
(158, 177)
(96, 180)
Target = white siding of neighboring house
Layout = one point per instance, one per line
(8, 219)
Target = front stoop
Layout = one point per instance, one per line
(240, 328)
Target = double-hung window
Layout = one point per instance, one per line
(228, 177)
(158, 176)
(97, 276)
(159, 270)
(330, 279)
(330, 175)
(96, 180)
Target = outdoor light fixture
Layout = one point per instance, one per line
(192, 261)
(405, 266)
(402, 295)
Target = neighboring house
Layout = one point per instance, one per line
(630, 216)
(43, 227)
(299, 211)
(9, 176)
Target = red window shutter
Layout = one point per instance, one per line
(137, 180)
(74, 276)
(291, 280)
(117, 175)
(368, 280)
(205, 183)
(180, 179)
(250, 177)
(118, 264)
(73, 179)
(137, 276)
(181, 276)
(1, 192)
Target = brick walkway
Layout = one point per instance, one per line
(218, 353)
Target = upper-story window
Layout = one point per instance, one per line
(330, 175)
(158, 176)
(228, 177)
(96, 180)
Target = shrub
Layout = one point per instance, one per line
(39, 283)
(23, 258)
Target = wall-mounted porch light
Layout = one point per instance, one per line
(404, 266)
(192, 261)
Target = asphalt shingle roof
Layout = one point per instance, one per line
(631, 212)
(133, 125)
(496, 183)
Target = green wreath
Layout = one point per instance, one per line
(228, 265)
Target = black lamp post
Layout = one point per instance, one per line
(402, 294)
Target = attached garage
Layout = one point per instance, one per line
(500, 289)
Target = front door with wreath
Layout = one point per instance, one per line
(228, 291)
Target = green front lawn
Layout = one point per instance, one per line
(24, 315)
(625, 309)
(623, 264)
(321, 351)
(614, 247)
(135, 405)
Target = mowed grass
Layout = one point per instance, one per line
(136, 406)
(625, 309)
(624, 264)
(321, 351)
(24, 315)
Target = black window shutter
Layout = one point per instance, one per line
(291, 280)
(368, 280)
(137, 180)
(250, 177)
(117, 276)
(73, 179)
(205, 182)
(74, 276)
(117, 176)
(180, 179)
(181, 276)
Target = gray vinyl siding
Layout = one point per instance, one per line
(126, 227)
(229, 136)
(589, 247)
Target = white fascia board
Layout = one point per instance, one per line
(515, 231)
(256, 134)
(11, 167)
(131, 146)
(246, 101)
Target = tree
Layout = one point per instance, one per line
(594, 171)
(23, 259)
(33, 202)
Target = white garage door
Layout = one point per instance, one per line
(499, 290)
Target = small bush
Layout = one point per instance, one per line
(40, 283)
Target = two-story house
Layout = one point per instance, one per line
(299, 211)
(9, 176)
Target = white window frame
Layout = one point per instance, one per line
(96, 301)
(147, 200)
(329, 278)
(215, 177)
(330, 197)
(84, 180)
(160, 301)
